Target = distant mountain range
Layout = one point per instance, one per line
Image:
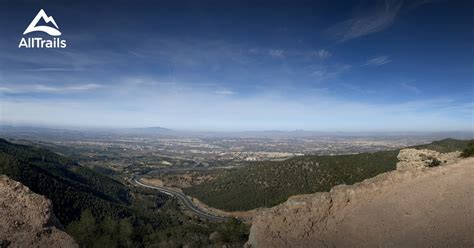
(98, 132)
(55, 132)
(147, 130)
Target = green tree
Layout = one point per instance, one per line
(104, 241)
(125, 232)
(233, 230)
(83, 230)
(469, 151)
(109, 226)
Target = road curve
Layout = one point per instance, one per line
(187, 203)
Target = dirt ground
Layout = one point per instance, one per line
(428, 208)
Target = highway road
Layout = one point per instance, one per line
(187, 203)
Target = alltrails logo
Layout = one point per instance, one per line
(38, 42)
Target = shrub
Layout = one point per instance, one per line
(434, 162)
(469, 151)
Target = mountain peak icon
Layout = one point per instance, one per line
(47, 29)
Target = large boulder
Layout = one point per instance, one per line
(27, 219)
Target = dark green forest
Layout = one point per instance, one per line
(469, 151)
(265, 184)
(102, 212)
(446, 145)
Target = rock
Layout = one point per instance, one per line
(27, 219)
(404, 208)
(419, 159)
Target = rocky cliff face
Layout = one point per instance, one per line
(415, 206)
(27, 219)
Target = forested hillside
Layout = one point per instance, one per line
(265, 184)
(71, 187)
(102, 212)
(446, 145)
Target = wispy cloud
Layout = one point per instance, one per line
(53, 69)
(323, 72)
(321, 54)
(7, 90)
(378, 61)
(410, 87)
(276, 53)
(42, 88)
(358, 89)
(61, 60)
(224, 92)
(377, 20)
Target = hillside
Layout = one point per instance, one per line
(265, 184)
(71, 187)
(101, 212)
(446, 145)
(411, 207)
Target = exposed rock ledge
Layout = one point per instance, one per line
(410, 159)
(414, 206)
(27, 219)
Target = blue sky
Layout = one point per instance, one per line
(243, 65)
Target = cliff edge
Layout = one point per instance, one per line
(427, 202)
(27, 219)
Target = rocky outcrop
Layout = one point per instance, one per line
(27, 219)
(419, 159)
(410, 207)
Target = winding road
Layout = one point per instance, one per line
(187, 203)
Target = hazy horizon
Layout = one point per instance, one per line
(373, 131)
